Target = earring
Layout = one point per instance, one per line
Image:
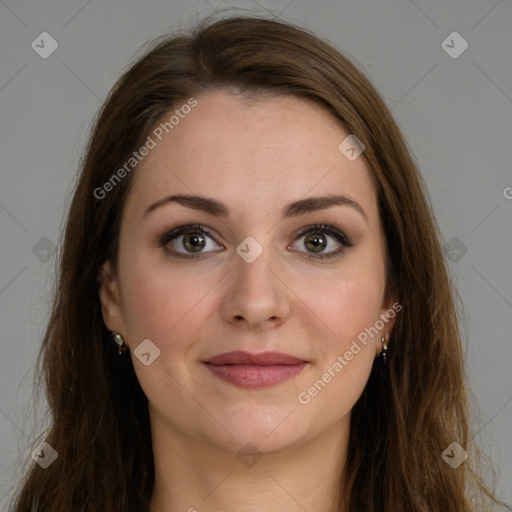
(119, 341)
(384, 353)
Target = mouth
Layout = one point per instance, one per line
(255, 371)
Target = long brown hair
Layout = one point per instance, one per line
(405, 417)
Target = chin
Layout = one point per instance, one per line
(268, 429)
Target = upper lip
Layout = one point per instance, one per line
(259, 359)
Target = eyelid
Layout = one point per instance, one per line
(323, 228)
(182, 230)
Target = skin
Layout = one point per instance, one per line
(256, 156)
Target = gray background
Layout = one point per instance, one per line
(456, 114)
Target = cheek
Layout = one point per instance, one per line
(357, 306)
(157, 298)
(349, 302)
(350, 307)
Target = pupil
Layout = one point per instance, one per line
(318, 242)
(195, 242)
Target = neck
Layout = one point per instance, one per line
(194, 475)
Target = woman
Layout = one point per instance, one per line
(253, 310)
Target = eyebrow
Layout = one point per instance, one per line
(295, 209)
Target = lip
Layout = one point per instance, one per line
(259, 359)
(254, 371)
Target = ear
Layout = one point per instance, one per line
(111, 306)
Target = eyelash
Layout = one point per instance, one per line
(316, 228)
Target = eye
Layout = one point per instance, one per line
(194, 238)
(316, 239)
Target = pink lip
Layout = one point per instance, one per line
(261, 359)
(255, 370)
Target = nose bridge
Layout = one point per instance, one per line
(252, 267)
(256, 293)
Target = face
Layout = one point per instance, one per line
(254, 275)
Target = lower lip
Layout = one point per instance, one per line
(248, 376)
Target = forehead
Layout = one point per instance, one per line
(251, 153)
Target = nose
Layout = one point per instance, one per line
(257, 293)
